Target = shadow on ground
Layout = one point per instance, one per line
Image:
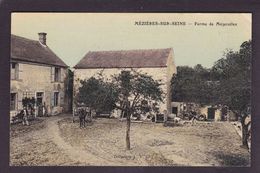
(229, 159)
(19, 129)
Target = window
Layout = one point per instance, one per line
(56, 99)
(14, 70)
(13, 101)
(57, 75)
(39, 98)
(28, 94)
(13, 65)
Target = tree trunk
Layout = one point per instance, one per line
(128, 122)
(244, 131)
(125, 79)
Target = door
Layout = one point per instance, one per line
(211, 113)
(39, 103)
(174, 110)
(39, 98)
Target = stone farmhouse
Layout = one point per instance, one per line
(159, 63)
(36, 72)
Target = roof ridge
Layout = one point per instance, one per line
(24, 38)
(125, 58)
(125, 50)
(26, 49)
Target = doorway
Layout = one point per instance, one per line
(211, 113)
(175, 110)
(39, 98)
(39, 102)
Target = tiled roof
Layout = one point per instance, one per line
(24, 49)
(125, 59)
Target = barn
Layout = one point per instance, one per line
(159, 63)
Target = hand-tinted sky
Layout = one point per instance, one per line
(72, 35)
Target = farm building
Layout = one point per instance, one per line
(210, 112)
(36, 72)
(159, 63)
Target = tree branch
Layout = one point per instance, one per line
(119, 107)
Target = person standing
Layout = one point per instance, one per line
(25, 117)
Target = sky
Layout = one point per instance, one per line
(72, 35)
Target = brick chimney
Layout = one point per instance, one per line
(42, 37)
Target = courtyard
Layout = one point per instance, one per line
(57, 141)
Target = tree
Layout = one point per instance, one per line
(229, 75)
(234, 90)
(227, 83)
(126, 92)
(68, 85)
(193, 85)
(97, 94)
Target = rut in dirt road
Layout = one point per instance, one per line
(75, 153)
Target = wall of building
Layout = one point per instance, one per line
(156, 73)
(204, 111)
(231, 116)
(34, 78)
(179, 107)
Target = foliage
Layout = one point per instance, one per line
(235, 81)
(105, 95)
(141, 88)
(28, 102)
(68, 85)
(193, 85)
(235, 84)
(227, 83)
(97, 94)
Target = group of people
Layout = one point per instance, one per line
(24, 115)
(29, 111)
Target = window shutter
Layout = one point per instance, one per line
(61, 98)
(19, 101)
(12, 72)
(19, 68)
(61, 74)
(52, 73)
(52, 99)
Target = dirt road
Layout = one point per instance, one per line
(58, 141)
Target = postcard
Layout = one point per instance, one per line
(130, 89)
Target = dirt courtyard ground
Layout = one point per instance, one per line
(58, 141)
